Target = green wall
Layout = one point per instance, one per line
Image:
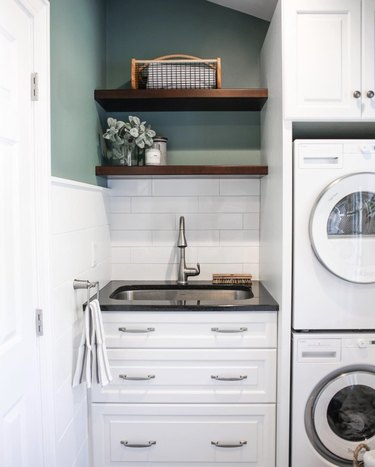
(92, 43)
(150, 28)
(77, 68)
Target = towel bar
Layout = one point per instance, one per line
(82, 284)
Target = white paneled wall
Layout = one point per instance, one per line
(222, 226)
(80, 248)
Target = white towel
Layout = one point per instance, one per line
(92, 360)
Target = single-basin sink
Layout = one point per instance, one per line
(177, 293)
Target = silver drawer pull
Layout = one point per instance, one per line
(136, 331)
(223, 378)
(228, 330)
(137, 378)
(135, 445)
(219, 444)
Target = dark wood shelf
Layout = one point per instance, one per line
(130, 100)
(255, 171)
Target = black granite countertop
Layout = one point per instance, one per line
(259, 300)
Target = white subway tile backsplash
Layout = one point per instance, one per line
(252, 269)
(239, 187)
(185, 187)
(120, 204)
(251, 221)
(164, 204)
(228, 254)
(121, 255)
(165, 237)
(222, 226)
(239, 237)
(196, 237)
(231, 204)
(139, 272)
(130, 187)
(161, 255)
(143, 221)
(131, 237)
(217, 221)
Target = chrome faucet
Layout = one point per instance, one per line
(183, 271)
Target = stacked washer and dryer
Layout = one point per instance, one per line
(333, 367)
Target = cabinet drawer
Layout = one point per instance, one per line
(174, 375)
(190, 330)
(198, 434)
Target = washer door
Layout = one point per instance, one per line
(340, 415)
(342, 228)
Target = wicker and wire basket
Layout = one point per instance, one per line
(176, 72)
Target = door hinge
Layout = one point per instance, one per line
(39, 322)
(34, 86)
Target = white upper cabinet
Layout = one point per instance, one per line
(329, 59)
(368, 59)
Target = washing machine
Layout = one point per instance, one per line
(333, 397)
(334, 235)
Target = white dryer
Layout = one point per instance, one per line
(333, 397)
(334, 235)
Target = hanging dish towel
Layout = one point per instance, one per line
(92, 360)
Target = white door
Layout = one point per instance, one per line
(20, 401)
(340, 414)
(368, 59)
(322, 59)
(342, 228)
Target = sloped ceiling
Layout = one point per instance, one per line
(260, 8)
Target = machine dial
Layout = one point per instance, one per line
(362, 343)
(365, 149)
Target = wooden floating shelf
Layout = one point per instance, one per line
(130, 100)
(125, 171)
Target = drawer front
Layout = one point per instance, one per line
(234, 376)
(189, 330)
(235, 435)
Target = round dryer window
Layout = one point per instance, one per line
(341, 414)
(342, 227)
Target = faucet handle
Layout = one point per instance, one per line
(193, 271)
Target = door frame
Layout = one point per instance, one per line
(40, 11)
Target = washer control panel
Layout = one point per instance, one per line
(360, 342)
(330, 349)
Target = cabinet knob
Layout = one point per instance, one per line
(370, 94)
(357, 94)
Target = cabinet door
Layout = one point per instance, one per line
(190, 330)
(188, 376)
(368, 59)
(175, 435)
(322, 44)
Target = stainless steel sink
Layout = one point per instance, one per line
(169, 293)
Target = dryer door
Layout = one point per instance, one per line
(342, 227)
(340, 415)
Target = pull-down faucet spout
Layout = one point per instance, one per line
(183, 271)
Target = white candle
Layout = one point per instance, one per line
(153, 156)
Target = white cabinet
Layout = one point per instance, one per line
(184, 435)
(189, 388)
(329, 59)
